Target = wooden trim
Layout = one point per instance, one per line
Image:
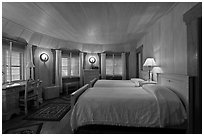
(193, 13)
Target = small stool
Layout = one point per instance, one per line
(70, 85)
(51, 92)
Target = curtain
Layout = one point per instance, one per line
(58, 71)
(81, 60)
(103, 65)
(123, 66)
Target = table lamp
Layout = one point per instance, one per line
(150, 63)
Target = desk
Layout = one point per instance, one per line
(10, 99)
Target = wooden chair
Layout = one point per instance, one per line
(30, 94)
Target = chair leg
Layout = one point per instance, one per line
(26, 108)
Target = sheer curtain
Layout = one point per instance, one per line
(81, 60)
(58, 71)
(123, 66)
(103, 65)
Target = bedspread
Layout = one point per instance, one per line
(124, 106)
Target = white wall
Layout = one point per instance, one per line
(166, 41)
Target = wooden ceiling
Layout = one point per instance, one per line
(90, 23)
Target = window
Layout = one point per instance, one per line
(113, 64)
(117, 65)
(16, 70)
(70, 64)
(109, 65)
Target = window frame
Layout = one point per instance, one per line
(68, 56)
(113, 65)
(5, 50)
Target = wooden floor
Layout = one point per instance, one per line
(49, 127)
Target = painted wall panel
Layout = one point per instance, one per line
(4, 23)
(45, 41)
(26, 34)
(35, 39)
(54, 42)
(44, 70)
(13, 29)
(166, 41)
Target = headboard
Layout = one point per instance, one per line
(178, 83)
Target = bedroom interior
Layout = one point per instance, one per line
(101, 67)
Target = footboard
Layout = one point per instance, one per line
(75, 95)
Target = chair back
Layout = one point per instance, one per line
(31, 88)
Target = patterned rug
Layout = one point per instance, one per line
(29, 129)
(50, 112)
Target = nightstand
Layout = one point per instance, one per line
(147, 82)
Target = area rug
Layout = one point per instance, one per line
(28, 129)
(50, 112)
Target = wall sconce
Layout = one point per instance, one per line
(92, 60)
(44, 57)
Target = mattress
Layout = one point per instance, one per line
(114, 83)
(127, 106)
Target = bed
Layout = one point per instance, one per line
(134, 82)
(149, 106)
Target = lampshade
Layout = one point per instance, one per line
(149, 62)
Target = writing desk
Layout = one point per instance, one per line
(10, 99)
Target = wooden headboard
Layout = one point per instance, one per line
(178, 83)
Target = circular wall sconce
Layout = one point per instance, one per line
(92, 60)
(44, 57)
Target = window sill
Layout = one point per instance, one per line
(72, 77)
(13, 84)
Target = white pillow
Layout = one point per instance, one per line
(136, 81)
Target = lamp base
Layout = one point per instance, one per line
(149, 76)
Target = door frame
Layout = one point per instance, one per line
(139, 50)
